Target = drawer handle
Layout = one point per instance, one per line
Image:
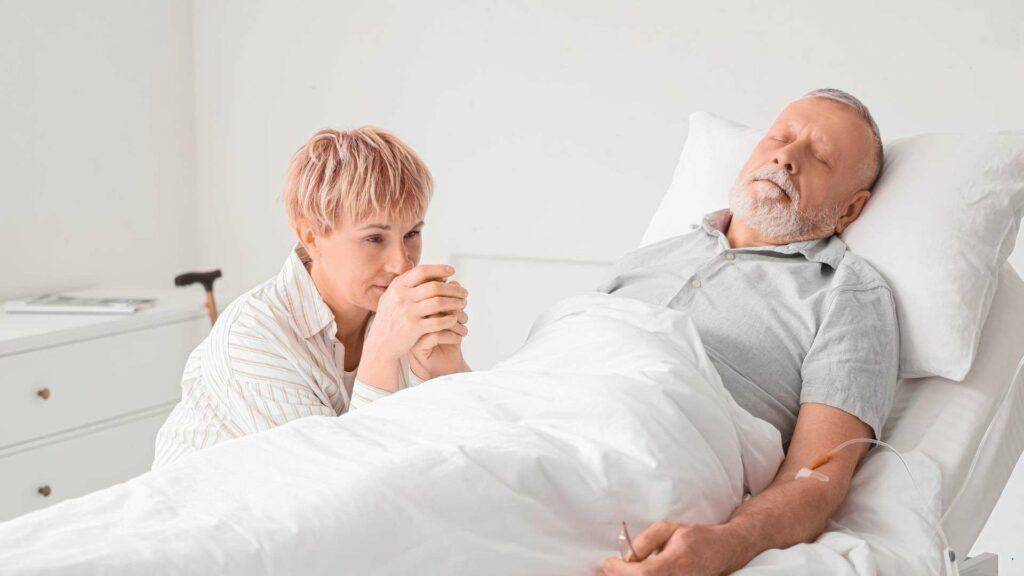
(43, 393)
(45, 490)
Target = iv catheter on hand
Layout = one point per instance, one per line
(810, 471)
(626, 551)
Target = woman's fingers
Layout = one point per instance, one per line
(463, 317)
(425, 272)
(438, 323)
(440, 338)
(456, 326)
(440, 305)
(435, 289)
(460, 328)
(448, 337)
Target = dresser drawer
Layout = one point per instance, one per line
(100, 457)
(43, 392)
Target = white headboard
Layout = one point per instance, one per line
(507, 293)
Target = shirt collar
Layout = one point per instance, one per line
(829, 250)
(309, 313)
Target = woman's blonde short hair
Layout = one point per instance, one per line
(357, 173)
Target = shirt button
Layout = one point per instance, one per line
(730, 256)
(695, 283)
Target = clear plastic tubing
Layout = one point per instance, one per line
(948, 556)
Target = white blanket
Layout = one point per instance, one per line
(610, 412)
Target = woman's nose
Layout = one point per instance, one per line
(399, 261)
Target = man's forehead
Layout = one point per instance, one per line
(820, 113)
(829, 121)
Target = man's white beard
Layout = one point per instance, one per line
(767, 211)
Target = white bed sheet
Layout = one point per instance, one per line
(610, 412)
(948, 421)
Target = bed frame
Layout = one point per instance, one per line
(985, 564)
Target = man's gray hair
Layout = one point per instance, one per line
(859, 107)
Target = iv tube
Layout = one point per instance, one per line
(949, 560)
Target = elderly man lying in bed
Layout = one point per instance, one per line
(802, 332)
(670, 396)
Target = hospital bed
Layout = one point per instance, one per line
(973, 430)
(970, 431)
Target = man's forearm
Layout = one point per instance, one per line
(789, 512)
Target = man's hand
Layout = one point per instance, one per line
(440, 353)
(682, 550)
(416, 304)
(788, 512)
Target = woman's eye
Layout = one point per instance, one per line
(412, 234)
(375, 239)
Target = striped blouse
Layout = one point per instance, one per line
(273, 356)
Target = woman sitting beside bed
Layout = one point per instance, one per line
(350, 318)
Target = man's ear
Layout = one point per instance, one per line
(853, 208)
(307, 238)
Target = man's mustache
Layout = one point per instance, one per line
(779, 177)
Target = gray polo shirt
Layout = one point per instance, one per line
(784, 325)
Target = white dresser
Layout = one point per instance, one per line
(82, 396)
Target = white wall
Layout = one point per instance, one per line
(552, 127)
(98, 150)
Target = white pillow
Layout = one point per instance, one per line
(942, 220)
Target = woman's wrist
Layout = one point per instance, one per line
(374, 349)
(379, 369)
